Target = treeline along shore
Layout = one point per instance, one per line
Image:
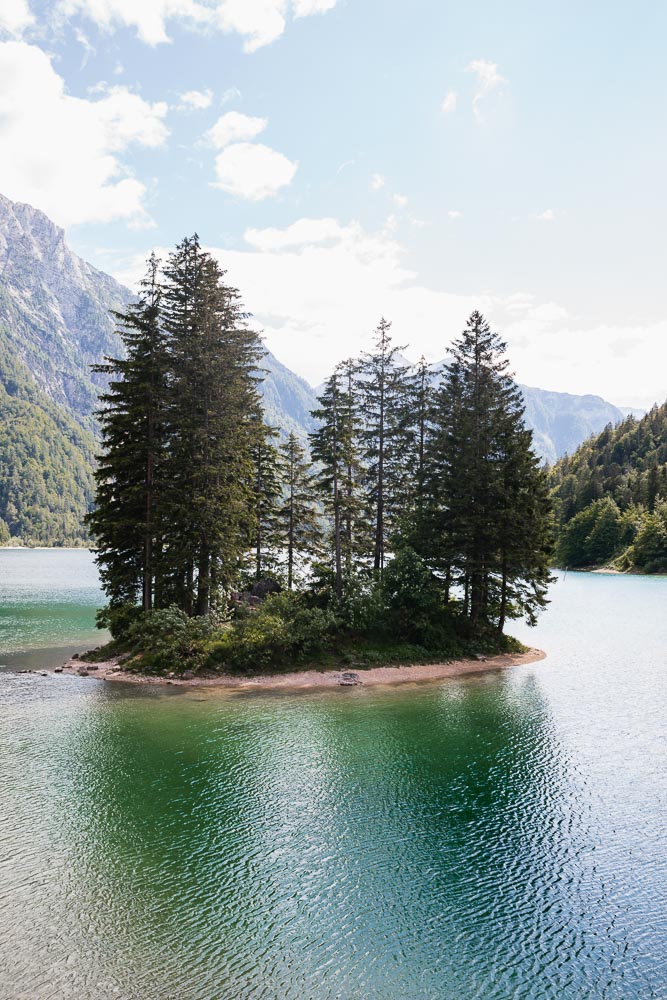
(410, 528)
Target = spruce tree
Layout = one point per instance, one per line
(333, 446)
(382, 386)
(488, 500)
(213, 409)
(298, 515)
(267, 480)
(126, 520)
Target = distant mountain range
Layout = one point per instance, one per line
(55, 323)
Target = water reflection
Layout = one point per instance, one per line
(436, 842)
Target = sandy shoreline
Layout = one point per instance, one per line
(110, 671)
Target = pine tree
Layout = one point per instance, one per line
(126, 517)
(298, 516)
(382, 387)
(333, 446)
(268, 474)
(213, 409)
(489, 498)
(356, 538)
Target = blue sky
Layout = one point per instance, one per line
(349, 158)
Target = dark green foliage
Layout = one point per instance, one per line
(649, 550)
(412, 599)
(126, 519)
(606, 495)
(485, 521)
(167, 639)
(175, 484)
(282, 632)
(267, 487)
(212, 411)
(438, 512)
(383, 439)
(334, 447)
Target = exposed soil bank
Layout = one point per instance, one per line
(110, 671)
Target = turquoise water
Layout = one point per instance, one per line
(48, 599)
(501, 837)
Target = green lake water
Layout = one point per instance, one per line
(48, 599)
(499, 837)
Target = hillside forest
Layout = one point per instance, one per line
(610, 498)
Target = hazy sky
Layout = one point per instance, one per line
(352, 158)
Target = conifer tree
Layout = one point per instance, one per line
(213, 409)
(488, 503)
(268, 474)
(298, 516)
(333, 445)
(382, 387)
(126, 521)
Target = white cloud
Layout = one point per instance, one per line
(252, 171)
(302, 8)
(196, 100)
(303, 233)
(488, 80)
(449, 102)
(15, 16)
(285, 277)
(378, 182)
(61, 153)
(454, 213)
(548, 215)
(260, 22)
(400, 200)
(235, 127)
(231, 94)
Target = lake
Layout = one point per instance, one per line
(48, 599)
(498, 837)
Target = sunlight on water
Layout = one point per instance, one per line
(497, 838)
(48, 599)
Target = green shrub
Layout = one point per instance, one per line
(169, 640)
(412, 599)
(282, 631)
(118, 618)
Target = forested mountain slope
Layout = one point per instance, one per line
(611, 497)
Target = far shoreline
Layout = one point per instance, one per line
(312, 679)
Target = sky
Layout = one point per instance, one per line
(352, 159)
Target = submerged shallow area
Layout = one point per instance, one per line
(500, 836)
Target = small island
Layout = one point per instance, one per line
(400, 538)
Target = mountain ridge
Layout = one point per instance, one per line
(56, 321)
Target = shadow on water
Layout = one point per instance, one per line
(424, 843)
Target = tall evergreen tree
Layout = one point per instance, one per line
(489, 495)
(267, 491)
(213, 409)
(382, 388)
(298, 516)
(126, 520)
(333, 445)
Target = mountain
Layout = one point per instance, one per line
(288, 399)
(55, 322)
(55, 317)
(611, 497)
(561, 421)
